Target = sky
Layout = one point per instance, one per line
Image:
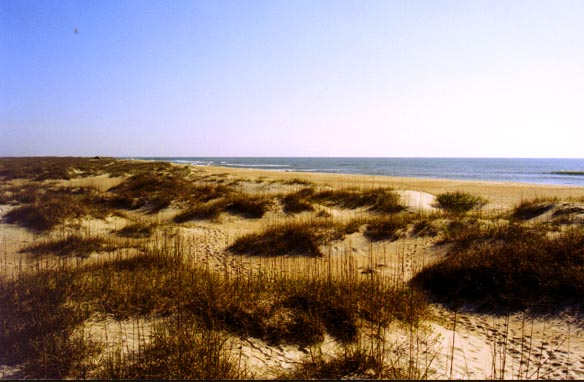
(387, 78)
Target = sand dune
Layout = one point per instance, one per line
(463, 345)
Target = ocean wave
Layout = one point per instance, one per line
(571, 173)
(254, 165)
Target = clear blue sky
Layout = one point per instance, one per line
(292, 78)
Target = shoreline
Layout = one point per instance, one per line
(144, 204)
(500, 194)
(538, 171)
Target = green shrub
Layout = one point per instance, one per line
(459, 202)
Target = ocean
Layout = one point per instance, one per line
(541, 171)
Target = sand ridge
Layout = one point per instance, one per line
(466, 345)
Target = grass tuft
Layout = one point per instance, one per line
(297, 238)
(459, 202)
(137, 230)
(73, 245)
(529, 209)
(509, 268)
(387, 228)
(378, 200)
(179, 350)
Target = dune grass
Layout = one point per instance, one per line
(179, 350)
(387, 227)
(529, 209)
(42, 311)
(137, 230)
(459, 202)
(158, 191)
(52, 207)
(510, 267)
(290, 238)
(73, 245)
(57, 168)
(38, 325)
(201, 312)
(236, 203)
(376, 200)
(297, 201)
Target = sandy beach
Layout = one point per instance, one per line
(443, 344)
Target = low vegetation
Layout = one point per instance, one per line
(356, 362)
(377, 200)
(297, 202)
(55, 168)
(529, 209)
(137, 230)
(459, 202)
(43, 310)
(510, 267)
(179, 350)
(247, 206)
(201, 313)
(387, 227)
(73, 245)
(54, 206)
(295, 238)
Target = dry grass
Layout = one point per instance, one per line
(297, 202)
(387, 227)
(73, 245)
(38, 325)
(43, 168)
(137, 230)
(237, 203)
(459, 202)
(52, 207)
(199, 312)
(42, 309)
(529, 209)
(293, 238)
(179, 350)
(510, 268)
(377, 200)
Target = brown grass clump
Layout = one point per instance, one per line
(38, 325)
(54, 206)
(247, 206)
(354, 363)
(153, 191)
(297, 238)
(41, 311)
(529, 209)
(510, 268)
(201, 211)
(179, 350)
(46, 168)
(253, 207)
(73, 245)
(137, 230)
(378, 200)
(387, 228)
(26, 193)
(297, 202)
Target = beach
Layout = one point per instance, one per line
(204, 213)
